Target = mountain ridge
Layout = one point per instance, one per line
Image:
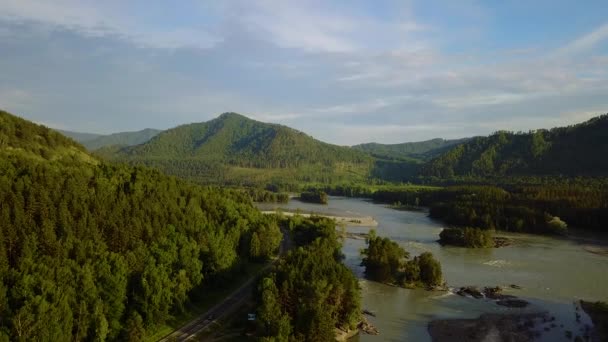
(422, 150)
(575, 150)
(96, 141)
(244, 148)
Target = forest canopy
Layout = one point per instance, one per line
(108, 251)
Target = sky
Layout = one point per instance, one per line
(343, 71)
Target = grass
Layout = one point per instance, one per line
(198, 307)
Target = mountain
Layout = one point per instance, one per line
(90, 250)
(95, 141)
(233, 147)
(422, 150)
(577, 150)
(78, 136)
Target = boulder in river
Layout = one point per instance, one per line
(472, 291)
(488, 327)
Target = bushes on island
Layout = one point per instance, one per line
(467, 237)
(319, 197)
(387, 262)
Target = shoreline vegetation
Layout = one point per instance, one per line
(310, 294)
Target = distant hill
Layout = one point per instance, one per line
(234, 148)
(95, 141)
(578, 150)
(78, 136)
(421, 150)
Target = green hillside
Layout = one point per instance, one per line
(19, 137)
(235, 149)
(578, 150)
(92, 251)
(422, 150)
(95, 141)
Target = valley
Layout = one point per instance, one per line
(207, 230)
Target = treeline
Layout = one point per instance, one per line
(90, 251)
(387, 262)
(310, 292)
(534, 209)
(319, 197)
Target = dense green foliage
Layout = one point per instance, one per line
(319, 197)
(90, 251)
(385, 261)
(577, 150)
(467, 237)
(310, 292)
(422, 150)
(119, 139)
(246, 149)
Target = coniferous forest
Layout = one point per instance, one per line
(108, 252)
(310, 293)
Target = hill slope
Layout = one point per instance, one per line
(95, 141)
(19, 137)
(578, 150)
(234, 147)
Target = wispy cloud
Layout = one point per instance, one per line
(99, 18)
(389, 71)
(585, 42)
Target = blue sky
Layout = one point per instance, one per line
(345, 72)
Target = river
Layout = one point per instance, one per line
(553, 273)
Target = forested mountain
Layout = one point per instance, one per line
(578, 150)
(90, 251)
(96, 141)
(234, 148)
(78, 136)
(422, 150)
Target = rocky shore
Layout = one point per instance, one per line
(488, 327)
(363, 327)
(492, 293)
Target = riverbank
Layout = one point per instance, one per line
(362, 221)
